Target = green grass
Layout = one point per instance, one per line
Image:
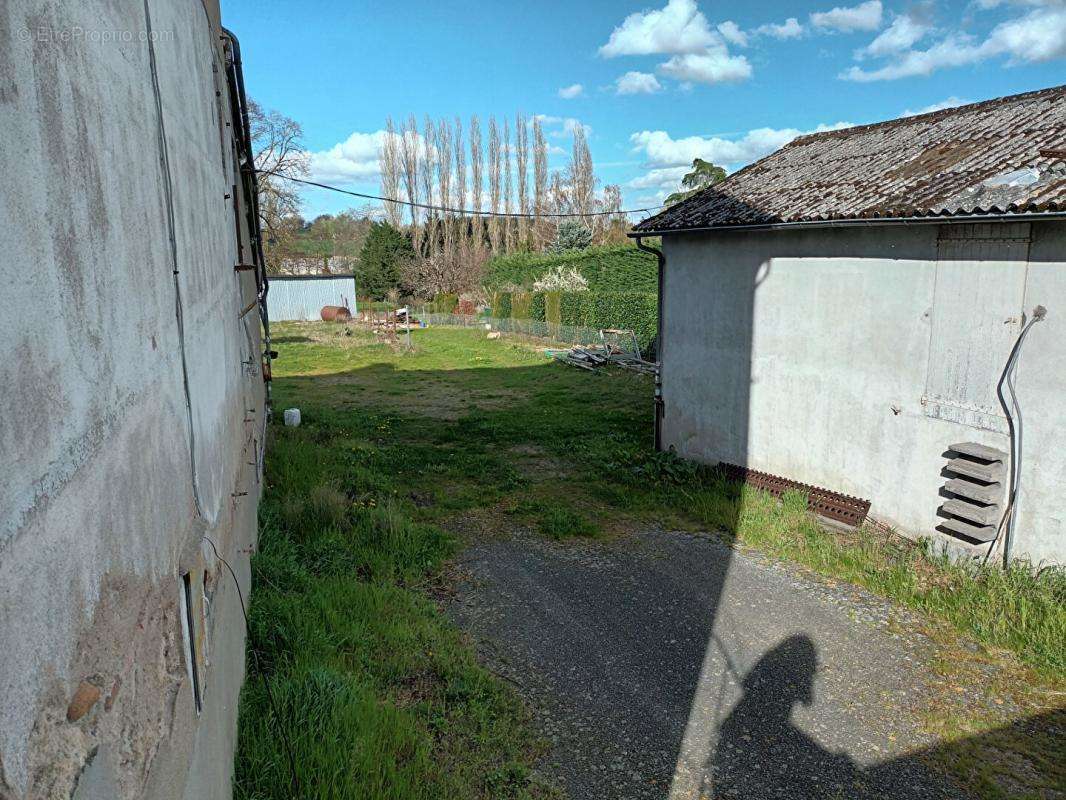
(562, 523)
(462, 433)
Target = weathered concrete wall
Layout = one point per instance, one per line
(806, 354)
(98, 515)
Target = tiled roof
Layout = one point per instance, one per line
(997, 157)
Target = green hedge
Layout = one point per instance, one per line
(628, 310)
(501, 305)
(521, 304)
(615, 268)
(553, 313)
(443, 303)
(537, 307)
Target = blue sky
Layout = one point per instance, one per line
(656, 83)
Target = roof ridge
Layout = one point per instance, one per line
(841, 133)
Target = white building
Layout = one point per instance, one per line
(841, 314)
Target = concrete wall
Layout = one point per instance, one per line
(100, 510)
(807, 353)
(303, 298)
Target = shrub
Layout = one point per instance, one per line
(563, 279)
(621, 268)
(444, 303)
(570, 235)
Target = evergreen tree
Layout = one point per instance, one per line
(385, 254)
(570, 235)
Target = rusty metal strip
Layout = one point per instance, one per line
(840, 507)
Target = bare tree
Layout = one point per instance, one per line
(389, 161)
(444, 185)
(508, 191)
(476, 178)
(541, 227)
(277, 143)
(462, 246)
(494, 185)
(429, 146)
(612, 225)
(410, 158)
(521, 161)
(580, 176)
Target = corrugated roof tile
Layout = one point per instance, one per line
(940, 164)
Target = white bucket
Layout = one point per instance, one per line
(292, 417)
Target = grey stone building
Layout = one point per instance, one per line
(131, 430)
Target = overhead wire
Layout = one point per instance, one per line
(463, 211)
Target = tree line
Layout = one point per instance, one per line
(474, 193)
(471, 193)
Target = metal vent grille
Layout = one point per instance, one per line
(973, 492)
(840, 507)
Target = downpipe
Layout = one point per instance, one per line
(251, 190)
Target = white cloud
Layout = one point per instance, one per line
(714, 66)
(664, 151)
(789, 29)
(659, 178)
(637, 83)
(356, 158)
(732, 33)
(571, 91)
(699, 54)
(863, 17)
(1039, 35)
(679, 27)
(948, 102)
(560, 127)
(904, 32)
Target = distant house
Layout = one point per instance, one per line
(842, 312)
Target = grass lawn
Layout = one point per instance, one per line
(400, 450)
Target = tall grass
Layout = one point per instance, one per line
(379, 695)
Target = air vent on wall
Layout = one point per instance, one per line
(974, 492)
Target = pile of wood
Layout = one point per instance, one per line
(612, 350)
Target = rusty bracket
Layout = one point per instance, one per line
(243, 267)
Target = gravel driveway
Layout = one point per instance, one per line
(667, 665)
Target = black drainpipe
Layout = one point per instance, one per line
(659, 408)
(251, 191)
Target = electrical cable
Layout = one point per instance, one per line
(463, 211)
(168, 194)
(266, 683)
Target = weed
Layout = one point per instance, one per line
(558, 522)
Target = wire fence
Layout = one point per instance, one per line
(567, 334)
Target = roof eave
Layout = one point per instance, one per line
(858, 222)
